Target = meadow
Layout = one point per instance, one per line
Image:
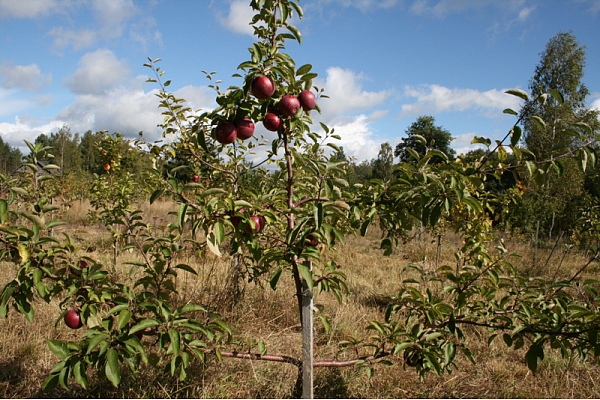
(271, 316)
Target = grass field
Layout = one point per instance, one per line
(271, 316)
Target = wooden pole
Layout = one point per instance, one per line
(307, 340)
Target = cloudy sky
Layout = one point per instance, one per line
(383, 63)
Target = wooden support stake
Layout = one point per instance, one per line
(307, 340)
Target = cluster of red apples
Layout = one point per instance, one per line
(263, 87)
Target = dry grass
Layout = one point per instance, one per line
(272, 317)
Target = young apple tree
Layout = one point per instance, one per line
(275, 223)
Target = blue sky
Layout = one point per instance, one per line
(382, 62)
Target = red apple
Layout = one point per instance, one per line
(307, 100)
(258, 223)
(263, 87)
(272, 122)
(106, 167)
(73, 319)
(195, 178)
(289, 105)
(225, 132)
(245, 128)
(81, 264)
(311, 241)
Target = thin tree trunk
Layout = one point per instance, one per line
(535, 243)
(439, 252)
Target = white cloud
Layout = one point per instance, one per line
(111, 16)
(443, 7)
(31, 8)
(77, 38)
(27, 77)
(110, 21)
(594, 4)
(356, 137)
(143, 32)
(9, 105)
(347, 97)
(433, 99)
(127, 109)
(97, 73)
(15, 133)
(367, 5)
(525, 12)
(238, 19)
(595, 103)
(346, 94)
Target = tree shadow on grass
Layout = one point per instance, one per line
(330, 384)
(12, 374)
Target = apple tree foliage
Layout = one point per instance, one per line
(270, 225)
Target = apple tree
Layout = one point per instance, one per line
(273, 226)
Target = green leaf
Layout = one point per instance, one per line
(326, 323)
(212, 245)
(275, 278)
(401, 346)
(519, 93)
(182, 215)
(157, 193)
(39, 285)
(186, 268)
(538, 121)
(136, 344)
(510, 111)
(481, 140)
(37, 221)
(50, 382)
(189, 308)
(112, 367)
(146, 323)
(3, 211)
(118, 308)
(80, 375)
(95, 341)
(63, 376)
(124, 318)
(515, 135)
(432, 336)
(219, 230)
(557, 96)
(23, 252)
(262, 349)
(303, 69)
(202, 141)
(296, 33)
(175, 341)
(306, 273)
(449, 352)
(59, 348)
(435, 365)
(535, 351)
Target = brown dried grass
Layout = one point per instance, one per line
(271, 316)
